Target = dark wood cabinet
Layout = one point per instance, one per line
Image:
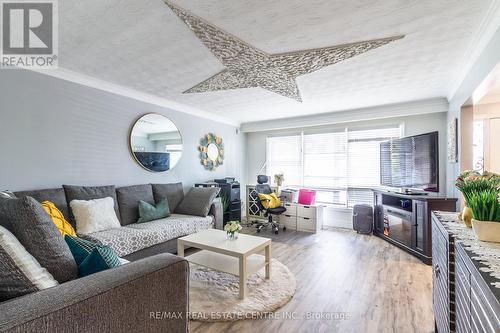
(484, 305)
(466, 283)
(462, 292)
(405, 220)
(443, 296)
(420, 219)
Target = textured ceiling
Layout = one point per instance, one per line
(144, 46)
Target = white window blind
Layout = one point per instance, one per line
(284, 155)
(364, 155)
(363, 163)
(342, 166)
(325, 160)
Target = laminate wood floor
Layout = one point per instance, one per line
(372, 285)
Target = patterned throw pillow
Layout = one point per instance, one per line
(148, 212)
(58, 218)
(7, 195)
(91, 257)
(20, 273)
(100, 259)
(26, 219)
(80, 248)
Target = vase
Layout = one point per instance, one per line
(466, 216)
(232, 235)
(487, 231)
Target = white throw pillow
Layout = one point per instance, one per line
(123, 261)
(94, 215)
(21, 272)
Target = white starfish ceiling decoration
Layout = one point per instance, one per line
(249, 67)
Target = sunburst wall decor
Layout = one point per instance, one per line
(249, 67)
(211, 151)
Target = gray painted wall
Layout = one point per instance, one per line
(55, 132)
(488, 59)
(413, 125)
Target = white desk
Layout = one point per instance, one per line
(308, 218)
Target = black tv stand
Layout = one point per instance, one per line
(405, 220)
(408, 192)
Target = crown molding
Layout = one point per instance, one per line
(482, 37)
(117, 89)
(433, 105)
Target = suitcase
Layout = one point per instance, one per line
(362, 219)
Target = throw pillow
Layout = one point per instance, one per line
(91, 257)
(174, 193)
(20, 273)
(94, 215)
(197, 201)
(128, 201)
(148, 212)
(7, 195)
(55, 195)
(269, 200)
(123, 261)
(30, 224)
(58, 218)
(80, 248)
(89, 193)
(100, 259)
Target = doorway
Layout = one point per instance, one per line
(480, 127)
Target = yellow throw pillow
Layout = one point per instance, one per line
(269, 200)
(58, 218)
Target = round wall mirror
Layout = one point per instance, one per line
(156, 143)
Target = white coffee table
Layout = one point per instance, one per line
(237, 257)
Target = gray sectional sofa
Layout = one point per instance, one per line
(127, 298)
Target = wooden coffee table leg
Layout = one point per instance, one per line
(243, 277)
(268, 261)
(180, 248)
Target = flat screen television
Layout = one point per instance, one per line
(411, 162)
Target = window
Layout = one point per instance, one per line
(325, 166)
(284, 155)
(325, 160)
(175, 151)
(478, 145)
(363, 162)
(342, 166)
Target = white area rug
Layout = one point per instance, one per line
(214, 296)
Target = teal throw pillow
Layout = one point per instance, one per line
(148, 212)
(79, 247)
(100, 259)
(91, 257)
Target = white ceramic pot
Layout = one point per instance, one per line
(487, 231)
